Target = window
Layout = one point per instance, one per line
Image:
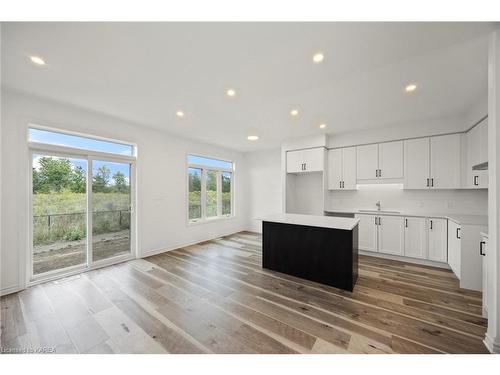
(210, 188)
(74, 141)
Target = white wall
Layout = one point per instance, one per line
(161, 176)
(263, 185)
(402, 131)
(392, 197)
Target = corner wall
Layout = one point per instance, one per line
(161, 180)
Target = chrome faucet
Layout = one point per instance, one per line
(378, 205)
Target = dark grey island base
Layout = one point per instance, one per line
(327, 254)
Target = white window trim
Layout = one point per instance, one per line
(204, 219)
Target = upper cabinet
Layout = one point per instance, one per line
(432, 163)
(307, 160)
(342, 169)
(382, 161)
(477, 152)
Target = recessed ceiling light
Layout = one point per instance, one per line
(37, 60)
(411, 87)
(294, 112)
(230, 92)
(253, 137)
(322, 126)
(318, 57)
(179, 114)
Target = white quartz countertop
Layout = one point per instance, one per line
(333, 222)
(457, 218)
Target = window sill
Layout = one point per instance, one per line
(210, 220)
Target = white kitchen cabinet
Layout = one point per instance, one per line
(483, 251)
(437, 230)
(454, 247)
(367, 232)
(307, 160)
(445, 161)
(415, 237)
(391, 235)
(380, 161)
(390, 159)
(433, 163)
(367, 162)
(342, 169)
(477, 152)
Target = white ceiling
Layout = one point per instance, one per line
(145, 72)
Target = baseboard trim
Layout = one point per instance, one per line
(492, 345)
(10, 289)
(423, 262)
(180, 245)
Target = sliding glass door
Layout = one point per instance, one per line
(59, 206)
(111, 214)
(81, 212)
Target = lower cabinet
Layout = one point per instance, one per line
(390, 235)
(454, 247)
(437, 230)
(367, 232)
(416, 237)
(413, 237)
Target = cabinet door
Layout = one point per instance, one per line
(349, 168)
(294, 161)
(485, 276)
(454, 247)
(367, 162)
(416, 163)
(335, 169)
(314, 159)
(415, 237)
(367, 232)
(483, 141)
(445, 162)
(390, 159)
(437, 230)
(391, 235)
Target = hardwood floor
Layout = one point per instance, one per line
(215, 298)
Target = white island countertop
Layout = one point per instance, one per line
(333, 222)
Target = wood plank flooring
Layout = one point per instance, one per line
(214, 297)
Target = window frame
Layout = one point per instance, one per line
(88, 155)
(204, 169)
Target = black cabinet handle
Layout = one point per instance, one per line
(305, 166)
(343, 184)
(380, 172)
(476, 183)
(376, 220)
(406, 223)
(340, 184)
(376, 172)
(458, 236)
(481, 252)
(432, 182)
(427, 182)
(379, 222)
(431, 224)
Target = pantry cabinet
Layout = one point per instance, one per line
(307, 160)
(381, 161)
(432, 163)
(342, 169)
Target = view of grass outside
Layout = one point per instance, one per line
(211, 193)
(59, 211)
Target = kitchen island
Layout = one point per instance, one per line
(317, 248)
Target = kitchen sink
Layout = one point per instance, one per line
(380, 211)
